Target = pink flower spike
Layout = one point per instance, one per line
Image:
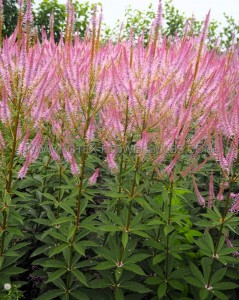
(235, 206)
(66, 154)
(110, 156)
(5, 113)
(23, 172)
(142, 145)
(28, 17)
(220, 196)
(170, 167)
(74, 167)
(199, 196)
(55, 156)
(94, 177)
(22, 149)
(111, 162)
(90, 131)
(20, 3)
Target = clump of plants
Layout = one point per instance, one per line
(119, 165)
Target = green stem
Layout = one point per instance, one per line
(77, 216)
(9, 178)
(214, 257)
(43, 190)
(118, 205)
(127, 227)
(224, 214)
(168, 235)
(81, 178)
(59, 190)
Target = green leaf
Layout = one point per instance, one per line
(105, 265)
(135, 287)
(218, 275)
(125, 238)
(7, 199)
(158, 258)
(13, 271)
(119, 294)
(197, 273)
(110, 228)
(19, 246)
(220, 244)
(79, 295)
(154, 280)
(168, 229)
(57, 235)
(56, 250)
(17, 216)
(99, 284)
(143, 203)
(209, 242)
(135, 268)
(140, 233)
(155, 222)
(42, 221)
(206, 266)
(49, 196)
(192, 233)
(52, 294)
(14, 230)
(176, 285)
(71, 232)
(79, 248)
(220, 295)
(162, 289)
(203, 294)
(113, 194)
(137, 177)
(52, 263)
(136, 257)
(225, 286)
(80, 276)
(62, 220)
(54, 275)
(126, 171)
(11, 253)
(67, 208)
(86, 243)
(193, 281)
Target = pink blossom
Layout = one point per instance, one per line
(23, 171)
(142, 145)
(5, 113)
(201, 200)
(28, 17)
(54, 154)
(23, 146)
(235, 206)
(170, 167)
(66, 154)
(90, 131)
(94, 177)
(110, 156)
(74, 166)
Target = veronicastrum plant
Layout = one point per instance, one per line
(119, 164)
